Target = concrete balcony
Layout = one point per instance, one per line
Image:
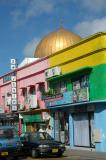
(59, 99)
(69, 97)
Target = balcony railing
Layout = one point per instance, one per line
(52, 96)
(80, 95)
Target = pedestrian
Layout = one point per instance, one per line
(49, 130)
(41, 129)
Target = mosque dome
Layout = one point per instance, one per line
(56, 41)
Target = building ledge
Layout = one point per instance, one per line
(33, 111)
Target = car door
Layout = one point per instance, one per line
(25, 143)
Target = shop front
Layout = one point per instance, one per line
(61, 126)
(81, 122)
(74, 125)
(83, 125)
(31, 121)
(11, 119)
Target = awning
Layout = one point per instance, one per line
(32, 118)
(74, 74)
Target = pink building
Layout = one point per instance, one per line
(30, 81)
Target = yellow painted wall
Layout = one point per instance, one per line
(81, 55)
(92, 60)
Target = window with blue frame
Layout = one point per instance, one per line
(7, 78)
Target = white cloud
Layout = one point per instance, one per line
(18, 18)
(31, 8)
(38, 7)
(86, 28)
(94, 5)
(30, 47)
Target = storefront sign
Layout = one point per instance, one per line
(32, 118)
(13, 86)
(81, 95)
(13, 64)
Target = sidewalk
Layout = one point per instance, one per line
(76, 154)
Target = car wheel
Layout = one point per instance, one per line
(59, 154)
(34, 153)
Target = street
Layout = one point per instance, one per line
(46, 158)
(63, 158)
(74, 155)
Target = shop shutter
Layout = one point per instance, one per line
(81, 130)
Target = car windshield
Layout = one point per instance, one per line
(7, 133)
(40, 136)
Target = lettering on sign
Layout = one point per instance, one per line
(13, 86)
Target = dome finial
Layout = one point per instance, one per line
(61, 22)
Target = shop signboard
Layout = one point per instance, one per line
(13, 86)
(81, 95)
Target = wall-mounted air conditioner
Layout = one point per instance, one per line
(8, 101)
(48, 73)
(53, 72)
(56, 71)
(21, 107)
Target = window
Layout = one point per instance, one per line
(7, 78)
(80, 83)
(41, 87)
(32, 91)
(80, 89)
(60, 87)
(24, 93)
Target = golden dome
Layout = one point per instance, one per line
(56, 41)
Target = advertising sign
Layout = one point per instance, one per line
(13, 86)
(81, 95)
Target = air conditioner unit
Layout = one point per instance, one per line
(48, 73)
(56, 71)
(21, 107)
(8, 101)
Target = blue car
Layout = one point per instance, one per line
(10, 144)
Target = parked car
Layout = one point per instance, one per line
(10, 143)
(40, 144)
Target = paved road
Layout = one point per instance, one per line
(47, 158)
(62, 158)
(73, 157)
(71, 154)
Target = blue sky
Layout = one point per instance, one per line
(24, 22)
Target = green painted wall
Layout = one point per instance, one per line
(69, 85)
(23, 127)
(97, 81)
